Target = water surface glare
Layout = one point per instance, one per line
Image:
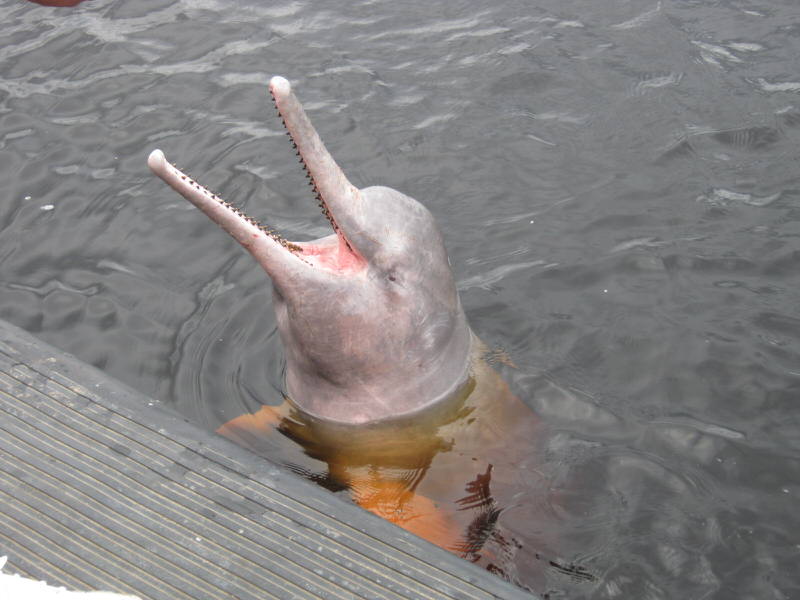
(618, 184)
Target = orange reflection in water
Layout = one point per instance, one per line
(445, 476)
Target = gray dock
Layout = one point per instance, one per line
(101, 489)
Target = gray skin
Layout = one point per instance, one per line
(369, 316)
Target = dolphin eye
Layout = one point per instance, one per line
(392, 277)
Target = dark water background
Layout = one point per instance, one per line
(618, 184)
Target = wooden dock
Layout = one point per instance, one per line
(101, 488)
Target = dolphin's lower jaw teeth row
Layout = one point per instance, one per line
(240, 213)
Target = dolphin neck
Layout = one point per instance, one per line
(327, 436)
(406, 396)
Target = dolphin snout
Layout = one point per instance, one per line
(280, 86)
(156, 161)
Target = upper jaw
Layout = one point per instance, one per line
(337, 197)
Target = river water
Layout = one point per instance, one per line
(618, 184)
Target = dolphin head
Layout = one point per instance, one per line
(369, 316)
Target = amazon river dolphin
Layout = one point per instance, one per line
(369, 316)
(387, 394)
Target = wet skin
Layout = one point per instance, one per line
(387, 392)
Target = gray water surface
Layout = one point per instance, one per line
(618, 184)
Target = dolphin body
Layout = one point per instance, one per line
(387, 393)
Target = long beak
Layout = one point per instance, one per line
(277, 256)
(337, 196)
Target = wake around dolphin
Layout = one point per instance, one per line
(387, 395)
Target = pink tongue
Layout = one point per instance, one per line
(335, 256)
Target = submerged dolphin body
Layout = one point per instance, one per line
(444, 474)
(386, 388)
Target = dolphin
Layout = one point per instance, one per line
(369, 316)
(387, 393)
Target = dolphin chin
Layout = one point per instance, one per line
(369, 316)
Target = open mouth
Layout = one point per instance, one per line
(333, 253)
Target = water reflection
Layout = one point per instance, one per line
(465, 475)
